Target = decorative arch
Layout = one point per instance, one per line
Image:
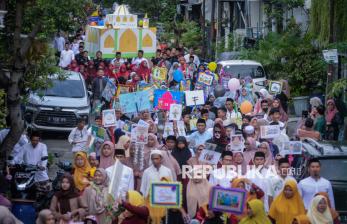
(128, 41)
(131, 19)
(147, 41)
(125, 19)
(109, 42)
(118, 19)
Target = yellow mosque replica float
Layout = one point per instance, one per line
(121, 32)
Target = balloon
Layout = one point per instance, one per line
(141, 23)
(178, 75)
(246, 107)
(219, 90)
(234, 84)
(212, 66)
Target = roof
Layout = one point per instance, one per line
(239, 62)
(121, 10)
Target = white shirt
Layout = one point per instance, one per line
(126, 182)
(79, 139)
(137, 61)
(32, 156)
(121, 61)
(59, 43)
(196, 60)
(277, 185)
(120, 124)
(199, 138)
(152, 174)
(262, 181)
(75, 48)
(308, 187)
(221, 177)
(16, 149)
(66, 56)
(233, 116)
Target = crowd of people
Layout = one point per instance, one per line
(112, 177)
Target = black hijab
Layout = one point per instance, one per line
(181, 155)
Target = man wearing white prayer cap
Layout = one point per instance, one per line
(155, 173)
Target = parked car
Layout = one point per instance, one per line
(333, 158)
(58, 107)
(241, 69)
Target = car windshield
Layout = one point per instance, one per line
(242, 71)
(65, 88)
(335, 172)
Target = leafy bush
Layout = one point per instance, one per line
(292, 57)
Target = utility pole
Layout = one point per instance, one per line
(212, 27)
(204, 28)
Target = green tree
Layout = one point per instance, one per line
(321, 20)
(293, 57)
(26, 58)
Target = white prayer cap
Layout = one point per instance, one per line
(156, 152)
(249, 129)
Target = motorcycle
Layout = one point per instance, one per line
(23, 181)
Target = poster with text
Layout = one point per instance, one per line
(269, 131)
(175, 112)
(109, 118)
(194, 98)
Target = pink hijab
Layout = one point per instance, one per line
(106, 162)
(330, 113)
(269, 159)
(248, 155)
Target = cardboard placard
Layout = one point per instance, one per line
(269, 131)
(135, 102)
(169, 129)
(205, 79)
(237, 142)
(291, 148)
(194, 98)
(275, 87)
(181, 128)
(142, 134)
(166, 195)
(175, 112)
(98, 132)
(109, 118)
(230, 200)
(163, 99)
(209, 155)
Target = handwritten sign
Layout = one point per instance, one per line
(135, 102)
(270, 131)
(275, 87)
(166, 195)
(175, 112)
(237, 142)
(142, 134)
(194, 98)
(206, 79)
(168, 130)
(181, 128)
(163, 99)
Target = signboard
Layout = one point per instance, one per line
(331, 56)
(109, 118)
(291, 148)
(230, 200)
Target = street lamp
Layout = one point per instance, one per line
(2, 16)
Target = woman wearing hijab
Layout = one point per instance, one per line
(7, 217)
(151, 145)
(181, 152)
(144, 71)
(194, 160)
(250, 149)
(82, 171)
(287, 205)
(245, 95)
(96, 196)
(66, 204)
(254, 192)
(263, 95)
(239, 162)
(334, 121)
(123, 72)
(219, 137)
(73, 66)
(255, 213)
(45, 217)
(276, 103)
(173, 68)
(106, 155)
(124, 143)
(135, 79)
(136, 212)
(269, 158)
(333, 212)
(198, 191)
(319, 212)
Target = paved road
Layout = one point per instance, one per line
(57, 143)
